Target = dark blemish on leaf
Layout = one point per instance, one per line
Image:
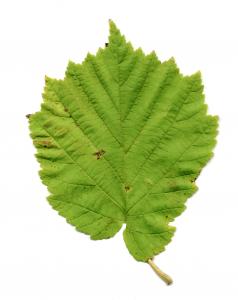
(195, 178)
(106, 44)
(127, 188)
(99, 153)
(28, 116)
(45, 144)
(66, 110)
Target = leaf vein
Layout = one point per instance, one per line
(102, 189)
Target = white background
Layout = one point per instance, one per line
(44, 258)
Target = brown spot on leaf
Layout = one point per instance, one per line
(194, 179)
(45, 144)
(127, 188)
(106, 44)
(28, 116)
(99, 153)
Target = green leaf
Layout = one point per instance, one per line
(122, 139)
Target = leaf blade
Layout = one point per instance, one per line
(121, 139)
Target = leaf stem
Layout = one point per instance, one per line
(166, 278)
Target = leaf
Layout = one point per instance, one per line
(122, 139)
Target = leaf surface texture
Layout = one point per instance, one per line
(122, 139)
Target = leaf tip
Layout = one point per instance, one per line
(47, 78)
(111, 23)
(198, 75)
(114, 29)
